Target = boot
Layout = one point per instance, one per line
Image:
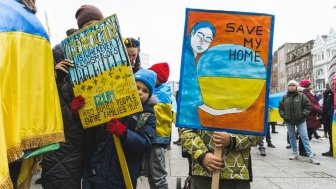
(329, 154)
(262, 151)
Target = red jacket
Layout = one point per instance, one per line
(316, 109)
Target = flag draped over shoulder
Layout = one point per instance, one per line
(30, 108)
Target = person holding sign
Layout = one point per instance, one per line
(235, 169)
(136, 133)
(86, 15)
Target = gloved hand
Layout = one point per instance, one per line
(114, 126)
(77, 103)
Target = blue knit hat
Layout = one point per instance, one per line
(148, 77)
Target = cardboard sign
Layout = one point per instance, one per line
(102, 73)
(225, 71)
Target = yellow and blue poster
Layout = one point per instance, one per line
(225, 71)
(102, 73)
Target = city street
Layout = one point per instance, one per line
(274, 171)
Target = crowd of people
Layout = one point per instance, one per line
(88, 158)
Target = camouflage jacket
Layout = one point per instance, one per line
(236, 156)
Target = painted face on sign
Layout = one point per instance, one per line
(201, 39)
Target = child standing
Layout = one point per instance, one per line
(164, 116)
(105, 171)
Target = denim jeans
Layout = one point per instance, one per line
(302, 130)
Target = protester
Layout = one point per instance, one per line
(236, 151)
(105, 170)
(86, 15)
(133, 50)
(294, 109)
(327, 116)
(313, 120)
(164, 116)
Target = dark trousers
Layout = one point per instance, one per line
(311, 132)
(14, 171)
(328, 128)
(268, 138)
(273, 125)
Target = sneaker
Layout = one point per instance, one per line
(275, 132)
(270, 145)
(293, 157)
(288, 146)
(314, 160)
(262, 151)
(330, 154)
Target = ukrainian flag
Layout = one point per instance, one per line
(273, 103)
(30, 108)
(163, 113)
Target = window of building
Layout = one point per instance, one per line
(319, 73)
(297, 68)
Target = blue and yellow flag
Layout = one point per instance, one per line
(273, 103)
(30, 107)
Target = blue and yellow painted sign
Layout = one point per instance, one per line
(102, 73)
(225, 71)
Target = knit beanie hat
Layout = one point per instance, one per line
(162, 71)
(148, 77)
(86, 13)
(292, 82)
(305, 83)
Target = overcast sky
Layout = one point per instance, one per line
(160, 23)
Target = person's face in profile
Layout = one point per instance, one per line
(201, 39)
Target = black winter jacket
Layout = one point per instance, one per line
(63, 167)
(294, 107)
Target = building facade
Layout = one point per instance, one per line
(274, 73)
(281, 65)
(298, 63)
(323, 51)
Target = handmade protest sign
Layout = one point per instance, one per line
(102, 73)
(225, 71)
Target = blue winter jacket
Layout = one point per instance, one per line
(105, 170)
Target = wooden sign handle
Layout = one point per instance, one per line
(216, 175)
(123, 163)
